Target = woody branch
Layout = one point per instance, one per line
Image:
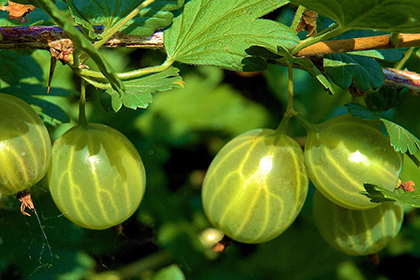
(46, 37)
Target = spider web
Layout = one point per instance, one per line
(48, 246)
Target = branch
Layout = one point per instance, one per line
(47, 37)
(402, 78)
(43, 37)
(360, 44)
(40, 37)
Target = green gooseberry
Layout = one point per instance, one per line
(25, 145)
(256, 186)
(97, 178)
(357, 232)
(345, 152)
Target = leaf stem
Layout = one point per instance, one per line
(114, 29)
(298, 16)
(86, 73)
(82, 105)
(290, 110)
(97, 84)
(413, 158)
(305, 122)
(328, 33)
(407, 54)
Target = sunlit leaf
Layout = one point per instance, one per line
(384, 15)
(218, 33)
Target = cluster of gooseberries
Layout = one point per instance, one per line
(256, 185)
(254, 188)
(95, 174)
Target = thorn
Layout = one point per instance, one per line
(52, 68)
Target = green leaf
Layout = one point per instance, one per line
(378, 194)
(362, 112)
(401, 139)
(36, 96)
(218, 33)
(385, 98)
(157, 15)
(384, 15)
(209, 106)
(309, 66)
(172, 272)
(108, 13)
(139, 91)
(18, 66)
(81, 20)
(345, 69)
(283, 56)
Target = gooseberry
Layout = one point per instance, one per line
(97, 178)
(256, 186)
(25, 145)
(357, 232)
(345, 152)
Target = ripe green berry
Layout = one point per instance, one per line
(25, 145)
(345, 152)
(357, 232)
(256, 186)
(97, 178)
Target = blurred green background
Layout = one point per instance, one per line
(177, 137)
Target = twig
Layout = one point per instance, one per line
(360, 44)
(402, 78)
(45, 37)
(42, 37)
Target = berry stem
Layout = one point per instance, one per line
(284, 124)
(305, 122)
(82, 104)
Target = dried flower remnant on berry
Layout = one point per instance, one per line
(407, 186)
(26, 200)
